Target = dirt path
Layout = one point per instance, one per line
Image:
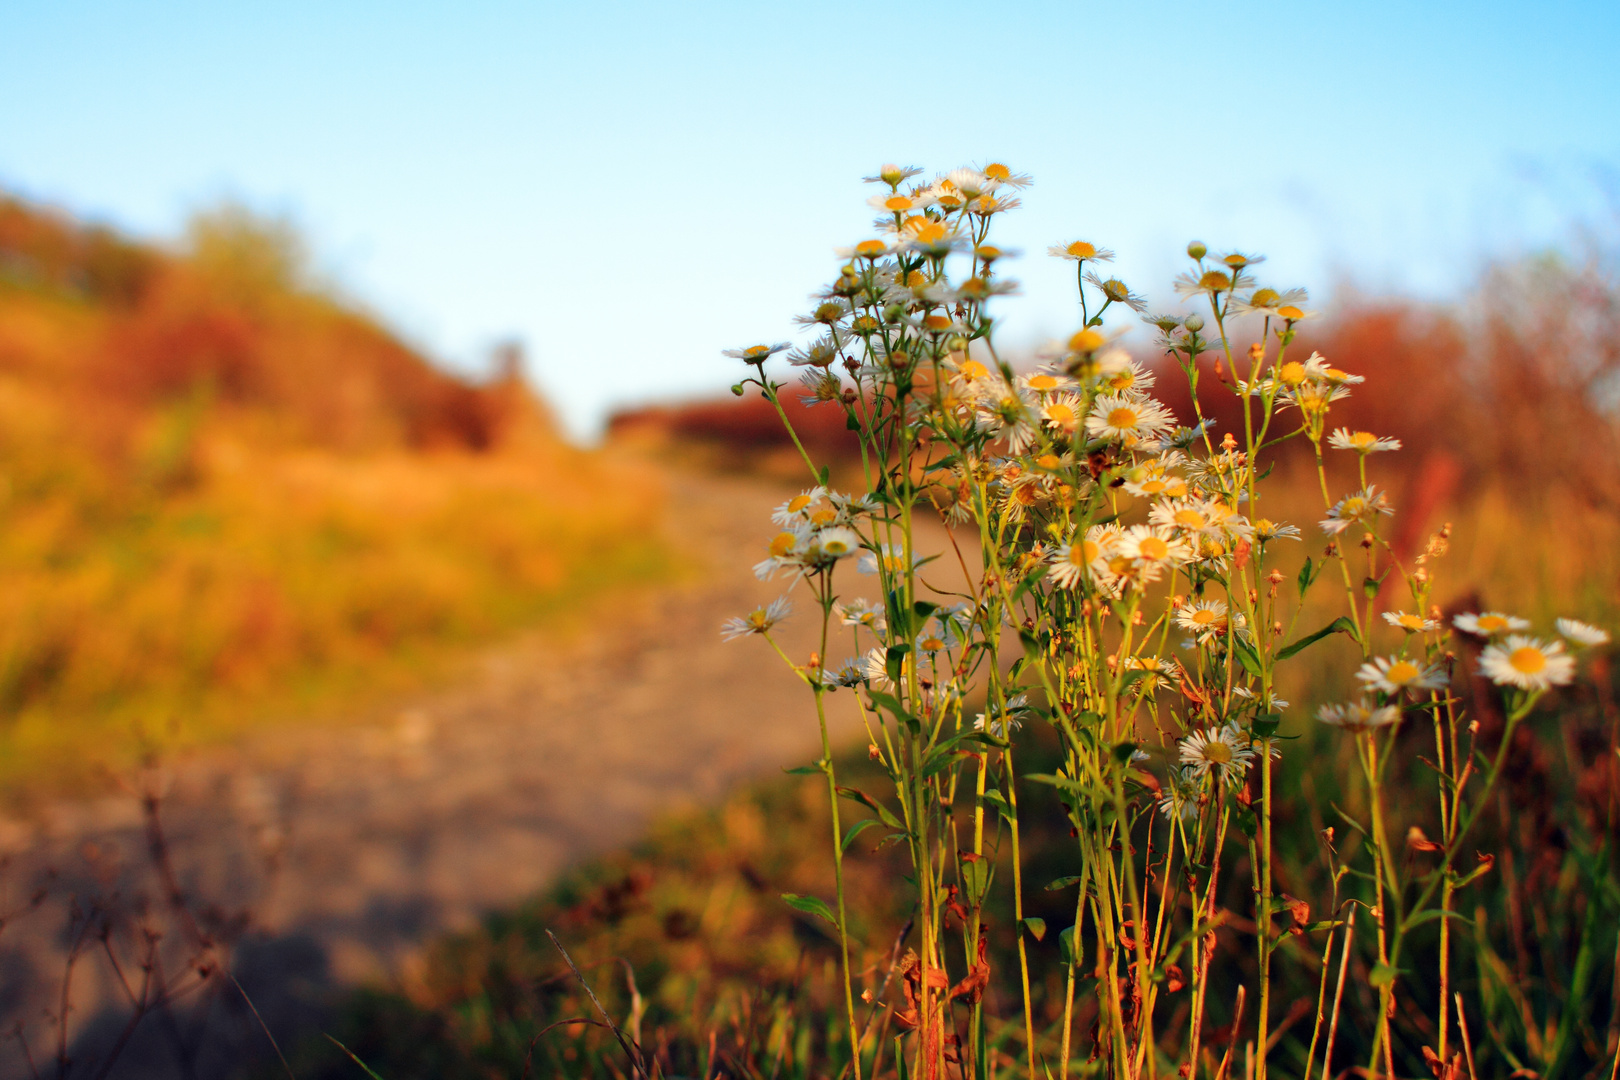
(351, 846)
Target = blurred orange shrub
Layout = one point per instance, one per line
(217, 479)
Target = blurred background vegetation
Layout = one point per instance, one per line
(226, 492)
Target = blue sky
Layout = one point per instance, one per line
(631, 187)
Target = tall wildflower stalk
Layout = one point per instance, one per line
(1108, 571)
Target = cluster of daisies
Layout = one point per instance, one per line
(1091, 488)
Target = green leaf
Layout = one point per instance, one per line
(883, 813)
(1370, 587)
(1063, 883)
(1341, 625)
(894, 659)
(1266, 726)
(1418, 918)
(856, 830)
(1066, 945)
(826, 473)
(1247, 656)
(852, 422)
(1246, 821)
(1305, 577)
(803, 770)
(1123, 751)
(1036, 927)
(924, 609)
(810, 905)
(1381, 976)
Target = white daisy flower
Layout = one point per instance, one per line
(1528, 663)
(1081, 251)
(1582, 634)
(1085, 555)
(1362, 442)
(1266, 529)
(867, 613)
(786, 549)
(875, 665)
(1117, 417)
(758, 621)
(850, 673)
(1002, 721)
(756, 354)
(1161, 672)
(1361, 507)
(1270, 302)
(1410, 621)
(1489, 623)
(1180, 796)
(1001, 174)
(1204, 618)
(1397, 674)
(1119, 374)
(1224, 751)
(797, 508)
(893, 175)
(1154, 544)
(896, 203)
(1062, 411)
(893, 558)
(827, 546)
(1358, 716)
(1116, 291)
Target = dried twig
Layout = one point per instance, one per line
(632, 1050)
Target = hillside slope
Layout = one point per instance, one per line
(222, 484)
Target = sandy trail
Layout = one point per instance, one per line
(352, 845)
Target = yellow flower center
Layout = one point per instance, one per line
(1124, 380)
(937, 322)
(1087, 551)
(835, 546)
(1491, 624)
(1263, 298)
(972, 370)
(870, 249)
(1153, 487)
(1082, 250)
(1363, 439)
(1353, 507)
(1401, 672)
(1205, 616)
(1217, 753)
(825, 516)
(1060, 414)
(898, 204)
(798, 503)
(1086, 341)
(1190, 519)
(1411, 622)
(1292, 373)
(1152, 547)
(783, 543)
(1528, 660)
(931, 233)
(997, 171)
(1042, 382)
(1122, 417)
(1214, 281)
(931, 644)
(757, 350)
(1290, 312)
(1048, 461)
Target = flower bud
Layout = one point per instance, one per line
(1197, 250)
(737, 389)
(1194, 323)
